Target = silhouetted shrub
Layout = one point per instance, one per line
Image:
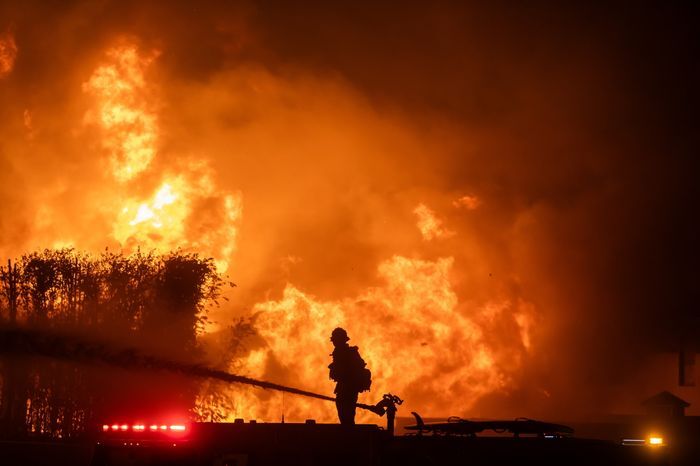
(144, 300)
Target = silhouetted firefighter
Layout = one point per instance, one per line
(349, 371)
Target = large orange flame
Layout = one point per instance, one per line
(186, 209)
(421, 339)
(124, 110)
(417, 338)
(411, 330)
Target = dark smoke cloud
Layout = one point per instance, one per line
(573, 124)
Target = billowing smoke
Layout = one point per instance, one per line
(504, 189)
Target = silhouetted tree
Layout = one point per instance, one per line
(142, 300)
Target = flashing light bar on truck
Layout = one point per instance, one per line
(144, 433)
(173, 428)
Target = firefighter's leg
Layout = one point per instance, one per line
(345, 402)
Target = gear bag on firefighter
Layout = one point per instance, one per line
(349, 369)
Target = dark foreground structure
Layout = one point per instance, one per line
(262, 444)
(454, 441)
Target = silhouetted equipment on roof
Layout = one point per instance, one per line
(387, 405)
(316, 444)
(517, 427)
(665, 404)
(207, 444)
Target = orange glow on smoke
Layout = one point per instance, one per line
(469, 202)
(8, 53)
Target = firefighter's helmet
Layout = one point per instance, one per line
(339, 334)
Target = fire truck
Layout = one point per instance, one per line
(455, 441)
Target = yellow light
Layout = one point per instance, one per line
(655, 440)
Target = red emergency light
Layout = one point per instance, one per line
(140, 427)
